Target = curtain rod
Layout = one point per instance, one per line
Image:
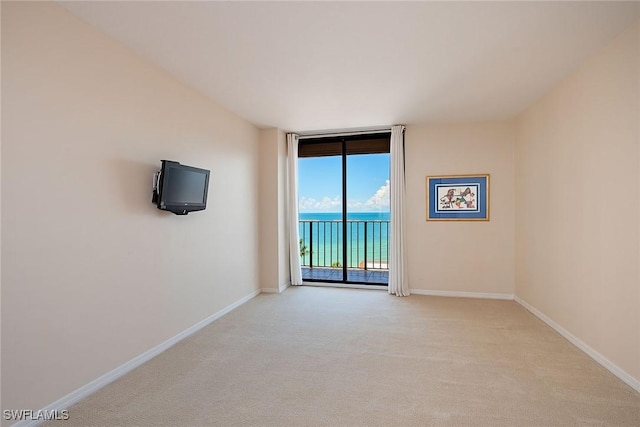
(303, 135)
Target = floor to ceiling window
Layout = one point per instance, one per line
(344, 208)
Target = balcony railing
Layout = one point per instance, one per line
(322, 243)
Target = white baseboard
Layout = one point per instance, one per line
(84, 391)
(461, 294)
(612, 367)
(280, 289)
(284, 287)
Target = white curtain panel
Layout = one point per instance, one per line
(398, 284)
(294, 233)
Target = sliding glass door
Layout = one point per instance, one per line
(320, 221)
(344, 208)
(367, 218)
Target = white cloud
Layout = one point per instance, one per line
(327, 204)
(380, 201)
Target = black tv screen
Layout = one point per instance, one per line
(181, 189)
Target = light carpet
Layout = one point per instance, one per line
(344, 357)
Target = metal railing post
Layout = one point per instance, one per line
(365, 245)
(310, 244)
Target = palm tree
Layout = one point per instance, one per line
(304, 250)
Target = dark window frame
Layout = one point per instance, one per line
(345, 145)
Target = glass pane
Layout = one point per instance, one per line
(368, 216)
(320, 217)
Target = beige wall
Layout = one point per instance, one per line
(461, 256)
(577, 204)
(0, 212)
(274, 252)
(268, 201)
(94, 274)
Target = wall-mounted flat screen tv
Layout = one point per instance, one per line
(180, 189)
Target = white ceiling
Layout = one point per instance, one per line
(335, 65)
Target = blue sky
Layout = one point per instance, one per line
(320, 187)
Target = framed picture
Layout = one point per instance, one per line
(458, 198)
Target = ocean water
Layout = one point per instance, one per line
(322, 236)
